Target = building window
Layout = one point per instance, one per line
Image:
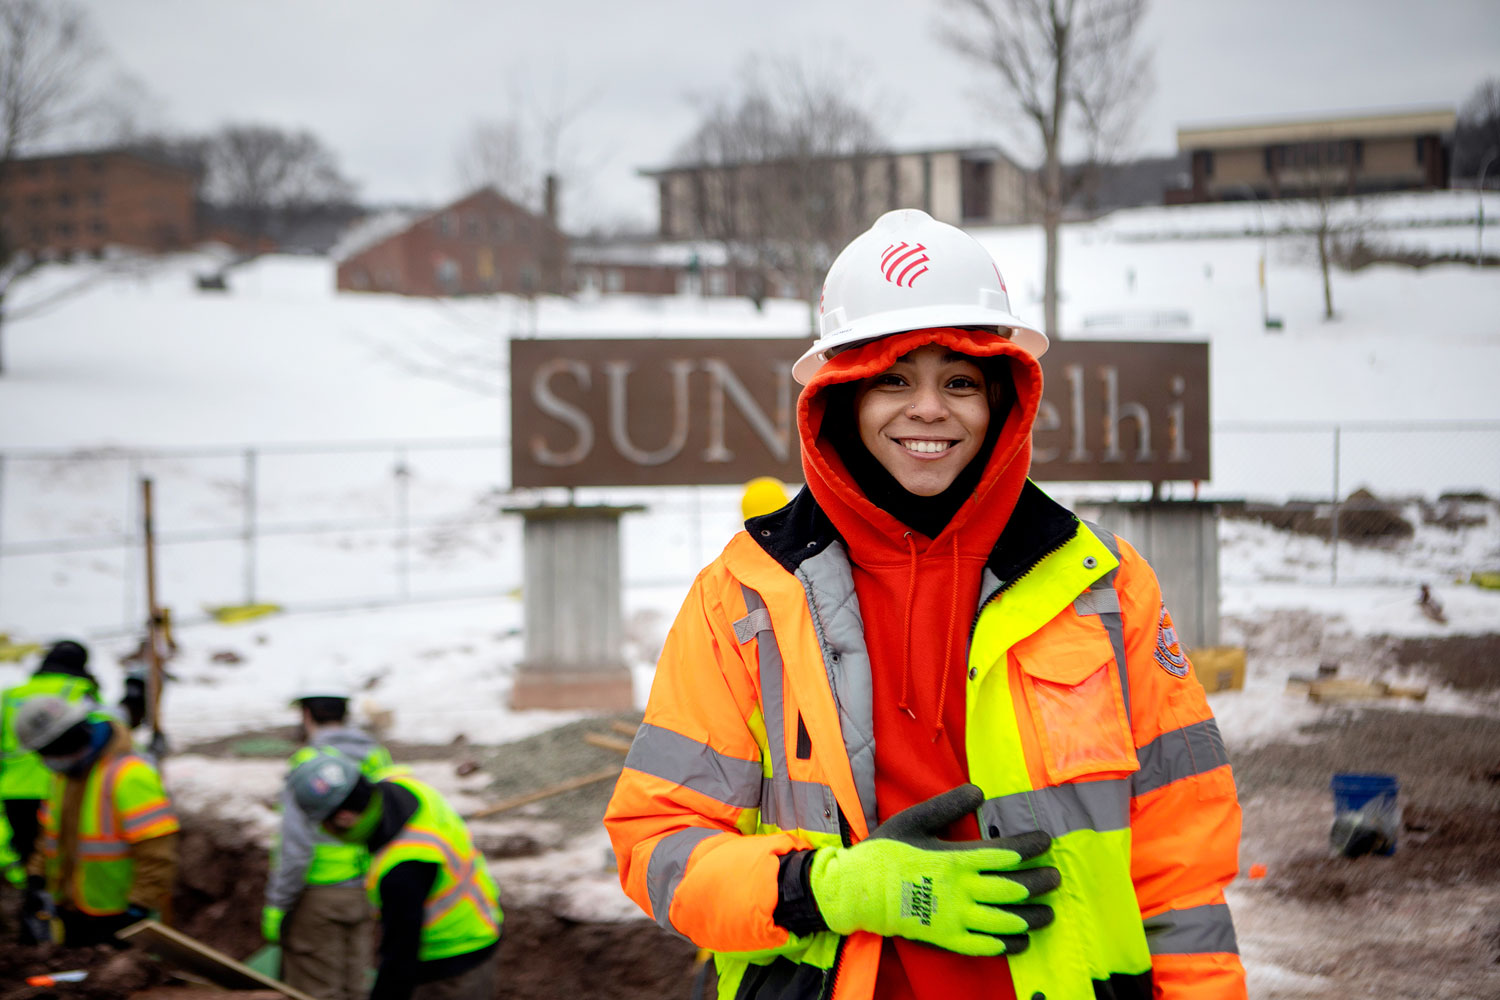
(1421, 151)
(99, 227)
(474, 225)
(96, 197)
(444, 224)
(1208, 163)
(614, 280)
(499, 228)
(65, 229)
(64, 200)
(447, 274)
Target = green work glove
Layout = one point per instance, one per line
(967, 897)
(270, 924)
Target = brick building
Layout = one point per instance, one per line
(57, 206)
(1350, 155)
(481, 244)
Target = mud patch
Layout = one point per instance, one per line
(1465, 662)
(543, 956)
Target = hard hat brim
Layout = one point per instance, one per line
(1022, 334)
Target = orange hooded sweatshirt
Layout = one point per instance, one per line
(917, 597)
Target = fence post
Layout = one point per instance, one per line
(132, 531)
(248, 534)
(1335, 518)
(403, 525)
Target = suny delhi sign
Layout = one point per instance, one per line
(666, 412)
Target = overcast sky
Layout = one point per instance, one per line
(394, 86)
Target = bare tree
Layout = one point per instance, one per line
(47, 49)
(260, 173)
(496, 154)
(1058, 60)
(780, 166)
(1324, 171)
(1477, 135)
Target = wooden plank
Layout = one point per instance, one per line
(1339, 689)
(607, 742)
(624, 728)
(545, 793)
(176, 948)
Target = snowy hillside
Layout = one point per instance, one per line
(139, 358)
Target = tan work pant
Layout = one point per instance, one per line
(477, 983)
(326, 945)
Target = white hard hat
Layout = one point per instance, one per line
(911, 272)
(323, 685)
(41, 720)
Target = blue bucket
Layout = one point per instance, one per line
(1366, 814)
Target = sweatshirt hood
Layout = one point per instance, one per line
(352, 743)
(916, 572)
(978, 519)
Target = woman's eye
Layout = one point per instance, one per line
(963, 382)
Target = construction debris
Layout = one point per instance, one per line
(1327, 689)
(197, 960)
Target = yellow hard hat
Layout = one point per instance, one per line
(763, 494)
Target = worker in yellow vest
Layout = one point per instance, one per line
(438, 907)
(107, 853)
(63, 673)
(315, 894)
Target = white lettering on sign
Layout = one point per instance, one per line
(546, 401)
(618, 372)
(776, 437)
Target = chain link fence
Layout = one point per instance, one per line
(329, 527)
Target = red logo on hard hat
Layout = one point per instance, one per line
(1000, 279)
(903, 263)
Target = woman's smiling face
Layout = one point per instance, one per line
(924, 417)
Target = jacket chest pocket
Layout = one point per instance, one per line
(1071, 683)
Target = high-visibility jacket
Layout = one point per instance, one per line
(462, 912)
(1083, 720)
(317, 858)
(88, 860)
(22, 773)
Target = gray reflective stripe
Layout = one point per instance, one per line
(682, 761)
(134, 823)
(1198, 930)
(668, 862)
(758, 620)
(799, 805)
(1106, 601)
(784, 803)
(1060, 809)
(112, 850)
(462, 873)
(772, 703)
(1097, 602)
(1181, 753)
(828, 582)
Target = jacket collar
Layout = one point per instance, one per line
(1037, 526)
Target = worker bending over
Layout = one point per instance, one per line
(438, 908)
(315, 896)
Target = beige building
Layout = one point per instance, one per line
(1350, 155)
(977, 185)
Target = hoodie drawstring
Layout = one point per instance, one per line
(947, 644)
(911, 597)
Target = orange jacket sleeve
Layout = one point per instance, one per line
(685, 808)
(1185, 816)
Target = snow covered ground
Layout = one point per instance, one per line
(140, 359)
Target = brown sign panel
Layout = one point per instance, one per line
(680, 412)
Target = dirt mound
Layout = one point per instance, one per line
(221, 885)
(544, 956)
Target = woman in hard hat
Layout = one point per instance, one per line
(922, 732)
